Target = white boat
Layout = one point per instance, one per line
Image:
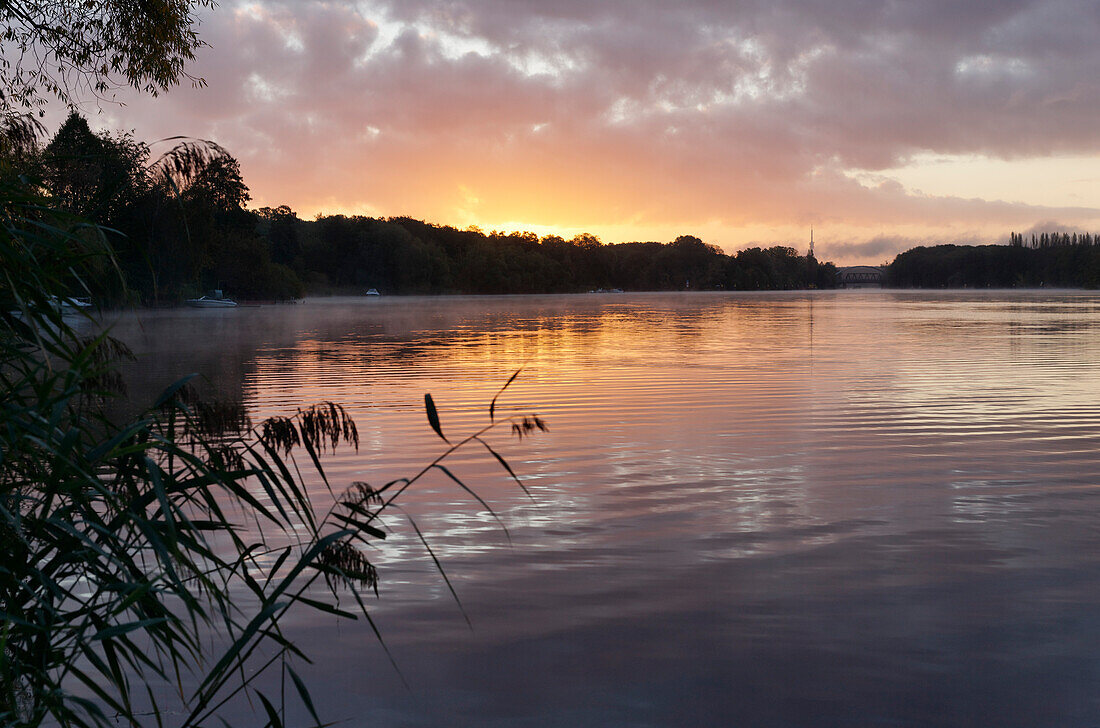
(65, 306)
(373, 292)
(210, 302)
(70, 304)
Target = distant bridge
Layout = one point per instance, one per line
(861, 276)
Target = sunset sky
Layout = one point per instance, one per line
(882, 124)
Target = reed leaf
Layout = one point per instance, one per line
(433, 417)
(493, 404)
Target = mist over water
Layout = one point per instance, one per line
(827, 508)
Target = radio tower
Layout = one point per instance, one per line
(811, 242)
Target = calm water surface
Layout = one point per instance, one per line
(841, 508)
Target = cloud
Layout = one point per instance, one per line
(885, 247)
(568, 112)
(879, 247)
(1052, 226)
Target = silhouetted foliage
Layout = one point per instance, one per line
(96, 176)
(403, 255)
(180, 227)
(1049, 259)
(177, 222)
(281, 233)
(128, 563)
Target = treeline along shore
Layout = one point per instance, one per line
(179, 223)
(409, 256)
(180, 226)
(1060, 260)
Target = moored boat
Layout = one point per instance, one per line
(70, 304)
(211, 302)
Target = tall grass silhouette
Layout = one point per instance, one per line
(126, 545)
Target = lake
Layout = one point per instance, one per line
(831, 508)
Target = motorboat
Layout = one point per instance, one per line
(64, 305)
(373, 292)
(70, 304)
(211, 302)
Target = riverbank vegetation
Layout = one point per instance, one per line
(179, 223)
(176, 221)
(1047, 260)
(404, 255)
(130, 549)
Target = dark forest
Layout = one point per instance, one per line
(1047, 260)
(180, 226)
